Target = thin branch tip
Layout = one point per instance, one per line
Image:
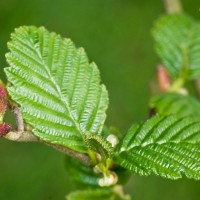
(173, 6)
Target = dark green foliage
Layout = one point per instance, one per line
(85, 176)
(81, 174)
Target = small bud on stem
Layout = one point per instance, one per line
(113, 140)
(163, 78)
(109, 180)
(4, 128)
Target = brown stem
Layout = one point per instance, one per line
(163, 77)
(18, 118)
(118, 190)
(27, 136)
(173, 6)
(24, 136)
(21, 135)
(83, 158)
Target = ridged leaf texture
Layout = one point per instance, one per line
(177, 40)
(58, 90)
(173, 103)
(167, 146)
(99, 145)
(95, 194)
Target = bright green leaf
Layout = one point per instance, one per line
(58, 90)
(173, 103)
(177, 40)
(166, 146)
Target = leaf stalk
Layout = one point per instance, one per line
(173, 6)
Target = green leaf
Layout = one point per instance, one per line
(81, 174)
(177, 40)
(172, 103)
(167, 146)
(99, 145)
(58, 90)
(98, 194)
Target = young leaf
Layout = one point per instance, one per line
(85, 176)
(95, 194)
(99, 145)
(81, 174)
(172, 103)
(177, 40)
(58, 90)
(164, 145)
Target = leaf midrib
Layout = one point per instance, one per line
(156, 143)
(54, 82)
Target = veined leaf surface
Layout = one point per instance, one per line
(166, 146)
(177, 40)
(172, 103)
(58, 90)
(99, 145)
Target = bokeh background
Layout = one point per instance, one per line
(116, 35)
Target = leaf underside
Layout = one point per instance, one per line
(172, 103)
(81, 174)
(177, 40)
(58, 90)
(85, 176)
(168, 146)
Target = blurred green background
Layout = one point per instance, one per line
(116, 35)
